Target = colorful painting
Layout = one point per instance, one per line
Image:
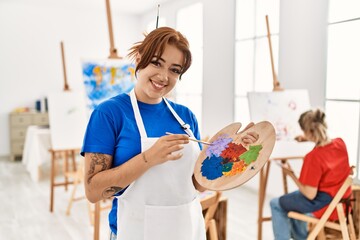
(107, 78)
(281, 108)
(226, 158)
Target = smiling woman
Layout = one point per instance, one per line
(128, 154)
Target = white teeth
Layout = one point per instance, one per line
(158, 85)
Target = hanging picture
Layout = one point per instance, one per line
(104, 79)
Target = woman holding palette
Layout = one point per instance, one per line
(129, 155)
(324, 170)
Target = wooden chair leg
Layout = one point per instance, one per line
(351, 227)
(72, 197)
(52, 181)
(342, 221)
(322, 235)
(213, 230)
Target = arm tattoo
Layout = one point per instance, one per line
(98, 159)
(109, 192)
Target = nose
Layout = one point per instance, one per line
(163, 75)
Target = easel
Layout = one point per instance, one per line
(276, 83)
(113, 50)
(113, 55)
(264, 172)
(55, 153)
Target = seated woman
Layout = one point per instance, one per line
(324, 170)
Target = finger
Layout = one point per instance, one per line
(253, 135)
(248, 126)
(174, 137)
(249, 139)
(174, 156)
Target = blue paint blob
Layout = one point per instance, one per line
(212, 168)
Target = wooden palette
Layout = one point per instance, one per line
(227, 163)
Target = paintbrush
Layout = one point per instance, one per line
(193, 139)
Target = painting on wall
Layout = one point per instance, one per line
(106, 78)
(281, 108)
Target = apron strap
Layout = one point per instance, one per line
(138, 118)
(184, 125)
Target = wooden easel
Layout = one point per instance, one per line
(264, 172)
(113, 50)
(113, 55)
(61, 153)
(276, 83)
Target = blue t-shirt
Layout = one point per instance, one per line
(112, 130)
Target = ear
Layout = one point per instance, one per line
(138, 58)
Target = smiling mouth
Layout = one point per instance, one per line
(157, 85)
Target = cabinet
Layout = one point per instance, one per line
(18, 123)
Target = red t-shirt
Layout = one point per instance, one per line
(326, 168)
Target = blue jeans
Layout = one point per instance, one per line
(285, 228)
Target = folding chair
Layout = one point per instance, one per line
(345, 224)
(210, 204)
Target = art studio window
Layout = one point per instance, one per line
(189, 90)
(342, 101)
(252, 53)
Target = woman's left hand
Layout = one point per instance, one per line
(247, 138)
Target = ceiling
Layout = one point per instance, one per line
(118, 6)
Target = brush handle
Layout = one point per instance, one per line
(192, 139)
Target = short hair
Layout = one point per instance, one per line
(154, 45)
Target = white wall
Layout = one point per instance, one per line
(30, 55)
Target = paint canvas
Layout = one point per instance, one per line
(104, 79)
(67, 119)
(281, 108)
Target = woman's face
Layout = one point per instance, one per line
(160, 76)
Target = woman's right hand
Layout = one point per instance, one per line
(166, 148)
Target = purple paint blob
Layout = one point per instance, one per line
(218, 145)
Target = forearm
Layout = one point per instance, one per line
(308, 191)
(197, 185)
(102, 182)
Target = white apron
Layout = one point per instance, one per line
(162, 204)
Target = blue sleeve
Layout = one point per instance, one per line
(100, 134)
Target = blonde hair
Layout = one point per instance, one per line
(313, 122)
(154, 44)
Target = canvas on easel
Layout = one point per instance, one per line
(67, 119)
(281, 108)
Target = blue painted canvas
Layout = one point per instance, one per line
(107, 78)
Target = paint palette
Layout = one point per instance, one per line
(228, 162)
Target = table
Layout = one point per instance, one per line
(36, 149)
(283, 151)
